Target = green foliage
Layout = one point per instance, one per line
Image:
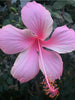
(67, 17)
(59, 4)
(13, 9)
(71, 2)
(73, 26)
(63, 12)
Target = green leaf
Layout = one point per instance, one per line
(1, 89)
(18, 25)
(73, 26)
(57, 15)
(6, 22)
(5, 76)
(20, 20)
(54, 25)
(67, 17)
(13, 9)
(5, 87)
(11, 16)
(9, 81)
(59, 4)
(71, 2)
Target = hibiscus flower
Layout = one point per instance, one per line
(31, 42)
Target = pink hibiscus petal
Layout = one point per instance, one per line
(51, 64)
(62, 40)
(37, 19)
(26, 66)
(14, 40)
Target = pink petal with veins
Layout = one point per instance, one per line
(26, 65)
(53, 65)
(14, 40)
(62, 40)
(37, 19)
